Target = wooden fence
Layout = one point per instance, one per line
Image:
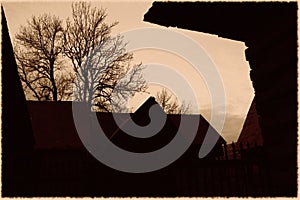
(239, 172)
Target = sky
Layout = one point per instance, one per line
(226, 55)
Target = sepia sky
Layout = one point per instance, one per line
(227, 55)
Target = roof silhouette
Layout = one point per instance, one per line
(53, 127)
(251, 131)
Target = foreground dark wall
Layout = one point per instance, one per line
(269, 30)
(17, 138)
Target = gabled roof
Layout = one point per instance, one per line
(166, 134)
(203, 126)
(141, 118)
(251, 131)
(53, 127)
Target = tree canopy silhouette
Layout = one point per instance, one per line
(99, 60)
(38, 52)
(98, 65)
(170, 104)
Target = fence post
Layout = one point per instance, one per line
(225, 151)
(248, 145)
(241, 150)
(233, 150)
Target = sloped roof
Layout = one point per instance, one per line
(53, 124)
(53, 127)
(141, 118)
(166, 134)
(203, 126)
(251, 131)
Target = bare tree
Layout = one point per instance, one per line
(38, 51)
(170, 104)
(99, 60)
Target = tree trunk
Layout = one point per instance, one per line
(54, 91)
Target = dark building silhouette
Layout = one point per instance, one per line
(269, 30)
(64, 167)
(17, 138)
(250, 141)
(53, 127)
(251, 131)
